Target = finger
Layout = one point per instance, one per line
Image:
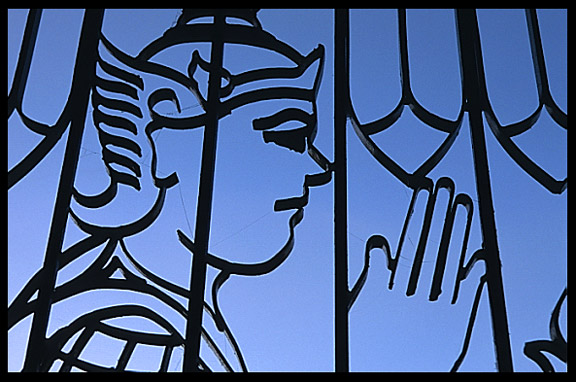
(454, 242)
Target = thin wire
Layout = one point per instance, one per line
(87, 152)
(182, 109)
(184, 207)
(144, 163)
(242, 229)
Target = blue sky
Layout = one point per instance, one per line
(284, 320)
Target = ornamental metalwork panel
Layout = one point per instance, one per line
(210, 187)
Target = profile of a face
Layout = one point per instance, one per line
(267, 119)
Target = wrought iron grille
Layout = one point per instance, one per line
(125, 100)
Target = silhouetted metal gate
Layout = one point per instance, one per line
(108, 88)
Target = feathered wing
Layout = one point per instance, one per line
(116, 116)
(124, 97)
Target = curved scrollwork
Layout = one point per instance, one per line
(557, 345)
(123, 98)
(125, 110)
(475, 102)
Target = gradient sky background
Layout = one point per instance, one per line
(283, 321)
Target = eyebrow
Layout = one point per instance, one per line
(283, 116)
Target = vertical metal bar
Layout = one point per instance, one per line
(475, 96)
(24, 59)
(84, 71)
(341, 94)
(204, 209)
(537, 53)
(403, 44)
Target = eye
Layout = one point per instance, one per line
(291, 139)
(291, 128)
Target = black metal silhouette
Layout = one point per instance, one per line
(557, 345)
(109, 112)
(111, 81)
(475, 104)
